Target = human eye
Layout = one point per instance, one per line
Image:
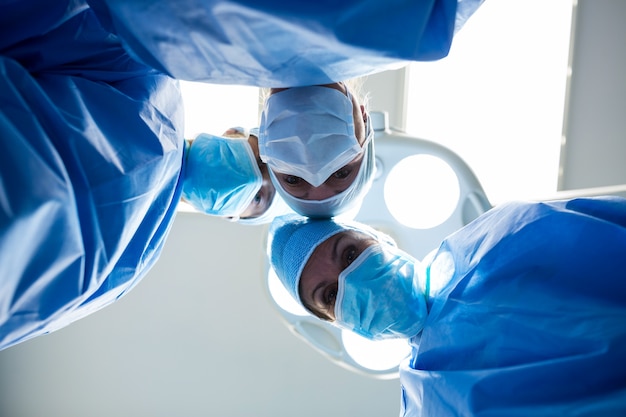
(330, 295)
(342, 173)
(258, 198)
(350, 254)
(292, 179)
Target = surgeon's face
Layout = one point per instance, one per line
(341, 179)
(320, 276)
(264, 197)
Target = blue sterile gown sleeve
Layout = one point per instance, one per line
(532, 318)
(90, 156)
(278, 43)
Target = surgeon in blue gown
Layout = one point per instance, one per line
(520, 313)
(93, 165)
(92, 144)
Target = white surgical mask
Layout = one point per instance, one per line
(380, 296)
(221, 175)
(308, 132)
(347, 202)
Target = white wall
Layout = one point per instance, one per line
(595, 129)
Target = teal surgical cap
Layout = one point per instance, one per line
(293, 238)
(221, 175)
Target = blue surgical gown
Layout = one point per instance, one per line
(531, 320)
(90, 160)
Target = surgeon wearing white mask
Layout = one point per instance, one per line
(318, 144)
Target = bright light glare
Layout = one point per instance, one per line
(421, 191)
(376, 355)
(212, 108)
(498, 98)
(282, 297)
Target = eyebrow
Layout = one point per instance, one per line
(339, 237)
(317, 287)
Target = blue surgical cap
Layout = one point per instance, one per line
(293, 239)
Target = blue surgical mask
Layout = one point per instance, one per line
(308, 132)
(222, 175)
(380, 296)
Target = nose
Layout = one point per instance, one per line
(322, 192)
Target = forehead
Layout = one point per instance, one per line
(320, 260)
